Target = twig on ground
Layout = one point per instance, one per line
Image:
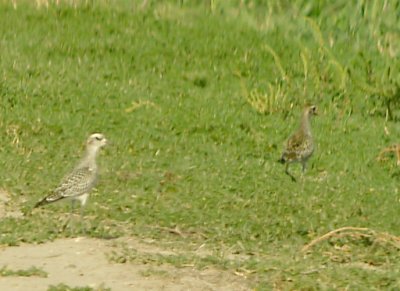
(393, 148)
(330, 234)
(356, 232)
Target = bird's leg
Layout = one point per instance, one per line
(82, 211)
(287, 173)
(83, 227)
(304, 166)
(303, 170)
(83, 200)
(72, 206)
(71, 215)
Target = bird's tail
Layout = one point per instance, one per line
(41, 203)
(282, 160)
(49, 199)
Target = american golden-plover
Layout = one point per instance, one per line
(300, 145)
(77, 184)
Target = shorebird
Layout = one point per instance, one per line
(77, 185)
(300, 145)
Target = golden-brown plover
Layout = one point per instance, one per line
(300, 145)
(77, 184)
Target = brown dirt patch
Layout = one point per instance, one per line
(83, 262)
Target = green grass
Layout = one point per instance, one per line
(32, 271)
(197, 101)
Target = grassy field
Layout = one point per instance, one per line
(198, 100)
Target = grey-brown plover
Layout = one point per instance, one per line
(300, 145)
(78, 184)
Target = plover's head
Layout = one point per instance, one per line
(311, 110)
(96, 140)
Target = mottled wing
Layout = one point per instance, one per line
(297, 146)
(78, 182)
(295, 143)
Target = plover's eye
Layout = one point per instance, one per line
(98, 138)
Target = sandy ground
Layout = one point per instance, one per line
(83, 262)
(79, 262)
